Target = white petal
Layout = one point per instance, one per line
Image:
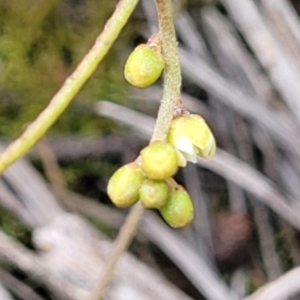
(190, 157)
(181, 158)
(209, 149)
(184, 145)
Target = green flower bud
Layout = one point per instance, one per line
(191, 136)
(123, 186)
(153, 193)
(159, 161)
(143, 66)
(178, 210)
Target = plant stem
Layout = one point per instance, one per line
(122, 241)
(71, 86)
(172, 74)
(171, 97)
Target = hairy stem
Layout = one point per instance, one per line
(171, 97)
(71, 86)
(172, 74)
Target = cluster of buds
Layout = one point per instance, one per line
(149, 177)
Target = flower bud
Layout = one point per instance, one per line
(191, 136)
(123, 186)
(159, 161)
(178, 210)
(143, 66)
(153, 193)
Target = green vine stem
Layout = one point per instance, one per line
(71, 86)
(170, 99)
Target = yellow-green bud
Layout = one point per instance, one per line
(123, 186)
(178, 210)
(159, 161)
(153, 193)
(191, 136)
(143, 66)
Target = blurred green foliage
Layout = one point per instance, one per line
(12, 226)
(41, 42)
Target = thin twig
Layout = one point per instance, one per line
(234, 97)
(202, 222)
(270, 53)
(25, 180)
(230, 55)
(267, 245)
(52, 169)
(71, 86)
(255, 183)
(125, 236)
(196, 267)
(238, 282)
(18, 287)
(286, 25)
(282, 288)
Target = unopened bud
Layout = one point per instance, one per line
(159, 161)
(178, 210)
(143, 66)
(153, 193)
(123, 186)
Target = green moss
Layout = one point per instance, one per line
(73, 172)
(40, 45)
(13, 227)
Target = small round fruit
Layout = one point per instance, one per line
(159, 161)
(178, 210)
(123, 186)
(153, 193)
(143, 66)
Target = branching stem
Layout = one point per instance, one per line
(171, 98)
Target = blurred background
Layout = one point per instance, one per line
(241, 71)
